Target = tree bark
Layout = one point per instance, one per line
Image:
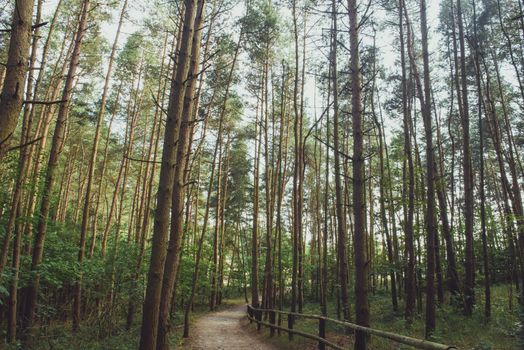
(359, 201)
(410, 286)
(469, 282)
(431, 225)
(339, 199)
(12, 94)
(152, 301)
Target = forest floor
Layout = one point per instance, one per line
(229, 328)
(469, 333)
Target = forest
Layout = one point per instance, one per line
(165, 163)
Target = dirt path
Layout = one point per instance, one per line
(227, 329)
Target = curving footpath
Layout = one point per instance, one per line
(224, 330)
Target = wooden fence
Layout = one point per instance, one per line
(256, 315)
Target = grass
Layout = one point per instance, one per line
(58, 336)
(453, 328)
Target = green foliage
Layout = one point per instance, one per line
(261, 27)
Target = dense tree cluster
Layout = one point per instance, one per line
(166, 156)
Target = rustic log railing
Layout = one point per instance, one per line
(256, 315)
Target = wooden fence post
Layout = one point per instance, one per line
(279, 322)
(258, 314)
(290, 326)
(272, 321)
(321, 332)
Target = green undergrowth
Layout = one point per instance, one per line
(453, 328)
(58, 336)
(475, 332)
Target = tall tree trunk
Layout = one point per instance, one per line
(424, 94)
(326, 227)
(282, 179)
(382, 199)
(16, 208)
(469, 283)
(52, 91)
(216, 237)
(179, 187)
(410, 287)
(12, 94)
(297, 171)
(482, 192)
(26, 126)
(152, 301)
(269, 183)
(430, 178)
(359, 201)
(121, 179)
(254, 236)
(56, 148)
(90, 175)
(221, 263)
(302, 169)
(155, 137)
(339, 200)
(103, 168)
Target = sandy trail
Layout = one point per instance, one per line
(225, 329)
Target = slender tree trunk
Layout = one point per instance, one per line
(179, 187)
(382, 199)
(430, 178)
(223, 228)
(359, 201)
(297, 222)
(268, 268)
(52, 91)
(56, 147)
(155, 137)
(103, 169)
(410, 286)
(282, 179)
(326, 227)
(123, 168)
(339, 200)
(487, 282)
(424, 94)
(254, 239)
(469, 283)
(152, 301)
(90, 175)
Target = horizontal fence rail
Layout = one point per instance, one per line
(255, 315)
